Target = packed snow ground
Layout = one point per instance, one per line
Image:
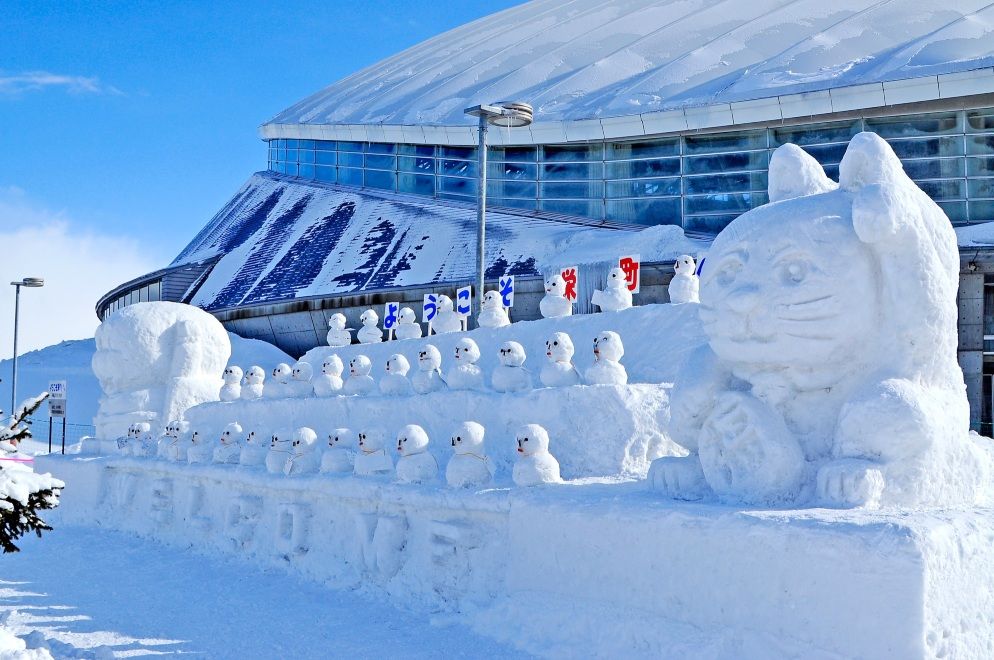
(87, 592)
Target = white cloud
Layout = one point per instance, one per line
(32, 81)
(78, 266)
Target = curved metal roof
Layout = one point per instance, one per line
(594, 59)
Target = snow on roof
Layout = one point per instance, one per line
(585, 59)
(981, 235)
(280, 239)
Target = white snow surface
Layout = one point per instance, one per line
(976, 235)
(593, 58)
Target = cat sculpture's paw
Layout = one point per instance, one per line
(747, 452)
(850, 483)
(680, 478)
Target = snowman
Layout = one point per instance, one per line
(464, 374)
(535, 465)
(558, 371)
(429, 375)
(200, 450)
(469, 466)
(303, 457)
(372, 459)
(394, 382)
(616, 296)
(606, 369)
(370, 332)
(124, 444)
(254, 384)
(685, 285)
(278, 386)
(510, 375)
(446, 319)
(145, 444)
(300, 380)
(492, 312)
(279, 452)
(407, 325)
(415, 464)
(228, 449)
(232, 388)
(338, 334)
(555, 304)
(255, 449)
(339, 456)
(359, 380)
(167, 446)
(329, 381)
(179, 447)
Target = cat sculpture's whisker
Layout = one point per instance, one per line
(807, 319)
(809, 336)
(812, 301)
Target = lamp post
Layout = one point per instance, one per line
(507, 115)
(31, 282)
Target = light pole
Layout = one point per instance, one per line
(507, 115)
(32, 282)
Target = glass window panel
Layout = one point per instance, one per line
(644, 188)
(416, 149)
(653, 148)
(952, 189)
(419, 184)
(583, 208)
(517, 171)
(518, 189)
(452, 185)
(305, 170)
(756, 160)
(279, 143)
(381, 179)
(130, 298)
(325, 145)
(324, 173)
(725, 183)
(520, 154)
(934, 168)
(572, 189)
(945, 146)
(349, 159)
(980, 144)
(980, 166)
(572, 153)
(155, 292)
(561, 171)
(281, 154)
(827, 153)
(740, 141)
(291, 144)
(419, 165)
(280, 167)
(645, 211)
(814, 134)
(350, 176)
(457, 167)
(512, 202)
(981, 188)
(980, 211)
(631, 169)
(465, 153)
(143, 294)
(921, 125)
(325, 157)
(291, 169)
(381, 162)
(956, 211)
(305, 156)
(724, 202)
(305, 144)
(980, 120)
(381, 148)
(350, 146)
(291, 155)
(708, 224)
(832, 172)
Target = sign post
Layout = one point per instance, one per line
(464, 304)
(58, 397)
(390, 311)
(570, 276)
(632, 265)
(429, 309)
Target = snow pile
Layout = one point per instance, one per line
(652, 244)
(976, 235)
(15, 648)
(155, 360)
(831, 374)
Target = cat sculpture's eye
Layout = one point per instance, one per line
(794, 271)
(728, 272)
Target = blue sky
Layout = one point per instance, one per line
(126, 125)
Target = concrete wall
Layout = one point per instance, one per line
(971, 339)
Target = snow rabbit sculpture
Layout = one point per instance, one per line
(830, 373)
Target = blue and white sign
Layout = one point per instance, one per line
(464, 300)
(505, 287)
(57, 389)
(430, 307)
(390, 312)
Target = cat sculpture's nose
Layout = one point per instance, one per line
(744, 299)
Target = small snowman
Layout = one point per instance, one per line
(359, 380)
(145, 444)
(446, 319)
(558, 371)
(616, 296)
(492, 312)
(429, 375)
(254, 385)
(279, 452)
(300, 380)
(510, 375)
(407, 325)
(228, 449)
(394, 382)
(370, 332)
(685, 285)
(124, 444)
(329, 381)
(338, 334)
(535, 465)
(254, 450)
(606, 369)
(200, 450)
(303, 457)
(170, 436)
(469, 466)
(415, 464)
(339, 456)
(178, 448)
(555, 304)
(278, 386)
(372, 459)
(232, 388)
(464, 374)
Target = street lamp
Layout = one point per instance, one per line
(34, 283)
(505, 115)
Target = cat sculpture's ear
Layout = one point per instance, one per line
(795, 173)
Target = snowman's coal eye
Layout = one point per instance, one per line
(555, 343)
(458, 438)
